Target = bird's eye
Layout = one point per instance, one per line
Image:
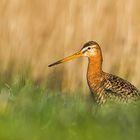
(89, 48)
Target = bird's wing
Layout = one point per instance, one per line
(120, 89)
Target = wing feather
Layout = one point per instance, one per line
(120, 89)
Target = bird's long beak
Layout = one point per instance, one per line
(76, 55)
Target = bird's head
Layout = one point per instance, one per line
(89, 49)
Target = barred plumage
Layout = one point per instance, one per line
(114, 88)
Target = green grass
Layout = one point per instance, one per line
(29, 112)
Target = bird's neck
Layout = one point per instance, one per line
(94, 72)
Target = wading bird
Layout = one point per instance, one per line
(103, 86)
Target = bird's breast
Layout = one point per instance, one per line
(96, 86)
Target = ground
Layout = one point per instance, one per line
(31, 112)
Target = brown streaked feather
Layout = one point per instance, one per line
(121, 89)
(112, 87)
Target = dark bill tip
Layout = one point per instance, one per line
(54, 64)
(50, 65)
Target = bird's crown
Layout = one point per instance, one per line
(90, 43)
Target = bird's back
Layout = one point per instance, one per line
(114, 88)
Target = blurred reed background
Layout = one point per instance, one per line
(35, 33)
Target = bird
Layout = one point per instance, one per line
(103, 86)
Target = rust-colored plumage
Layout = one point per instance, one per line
(103, 86)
